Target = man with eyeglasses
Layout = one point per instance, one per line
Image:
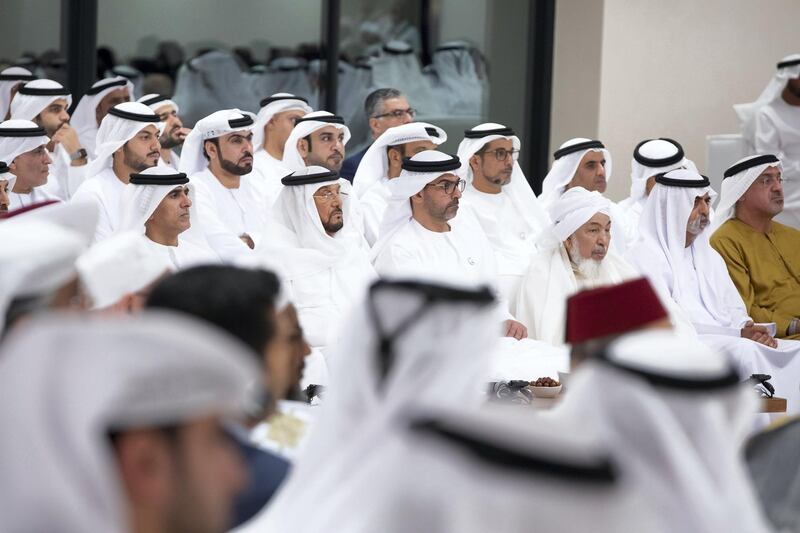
(675, 254)
(386, 108)
(420, 237)
(319, 251)
(499, 197)
(762, 255)
(382, 163)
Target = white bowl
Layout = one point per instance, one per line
(545, 392)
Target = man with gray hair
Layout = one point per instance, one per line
(385, 108)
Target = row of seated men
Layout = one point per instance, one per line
(266, 188)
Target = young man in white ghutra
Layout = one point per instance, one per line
(127, 143)
(382, 162)
(11, 79)
(174, 133)
(321, 254)
(771, 125)
(584, 163)
(499, 197)
(274, 123)
(46, 102)
(675, 254)
(651, 157)
(420, 238)
(573, 255)
(218, 157)
(161, 204)
(23, 146)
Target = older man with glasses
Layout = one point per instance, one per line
(386, 108)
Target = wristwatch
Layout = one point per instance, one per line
(80, 153)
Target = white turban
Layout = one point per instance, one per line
(34, 97)
(6, 175)
(271, 106)
(84, 119)
(418, 171)
(567, 159)
(304, 127)
(119, 126)
(156, 101)
(214, 125)
(9, 78)
(737, 179)
(375, 163)
(519, 189)
(120, 265)
(651, 157)
(571, 211)
(788, 68)
(68, 382)
(38, 249)
(18, 137)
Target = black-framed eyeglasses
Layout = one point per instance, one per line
(398, 113)
(501, 154)
(449, 186)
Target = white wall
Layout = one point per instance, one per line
(577, 53)
(674, 69)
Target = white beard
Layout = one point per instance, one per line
(587, 269)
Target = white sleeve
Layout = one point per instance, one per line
(228, 245)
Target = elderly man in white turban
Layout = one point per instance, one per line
(499, 197)
(38, 250)
(46, 102)
(320, 253)
(762, 255)
(218, 158)
(94, 106)
(651, 157)
(140, 402)
(771, 125)
(174, 133)
(382, 162)
(11, 79)
(160, 204)
(274, 123)
(127, 143)
(675, 254)
(573, 255)
(23, 146)
(117, 274)
(420, 237)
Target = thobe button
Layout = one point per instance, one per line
(470, 260)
